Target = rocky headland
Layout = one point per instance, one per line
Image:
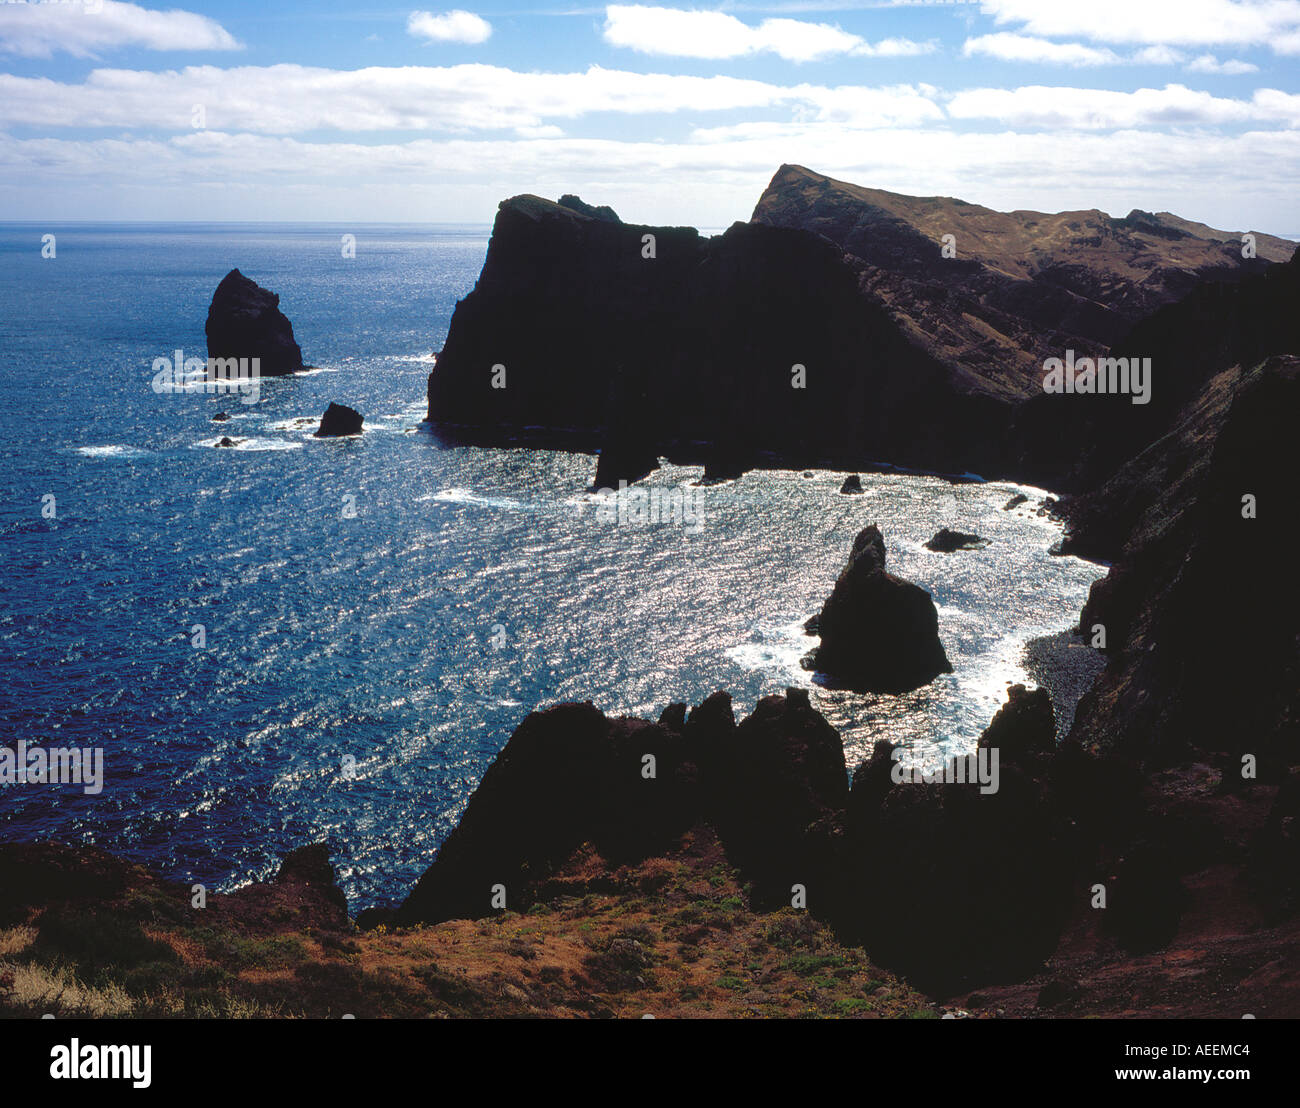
(644, 342)
(1144, 860)
(922, 326)
(839, 327)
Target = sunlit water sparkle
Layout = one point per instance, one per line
(370, 636)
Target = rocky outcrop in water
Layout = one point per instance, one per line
(245, 321)
(878, 632)
(623, 460)
(338, 420)
(946, 541)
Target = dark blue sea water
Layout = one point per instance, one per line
(380, 613)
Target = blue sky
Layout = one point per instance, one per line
(670, 112)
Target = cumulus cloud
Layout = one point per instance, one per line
(285, 99)
(288, 99)
(894, 48)
(1009, 47)
(1274, 23)
(454, 26)
(84, 29)
(716, 35)
(1103, 109)
(1230, 181)
(1159, 55)
(1208, 63)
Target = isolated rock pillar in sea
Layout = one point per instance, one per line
(245, 321)
(339, 419)
(879, 633)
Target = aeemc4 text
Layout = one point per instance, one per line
(1178, 1050)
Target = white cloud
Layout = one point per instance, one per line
(453, 26)
(678, 33)
(1026, 48)
(1009, 47)
(1158, 55)
(868, 108)
(1238, 181)
(1103, 109)
(83, 29)
(1208, 63)
(894, 48)
(1275, 104)
(1273, 23)
(291, 99)
(285, 99)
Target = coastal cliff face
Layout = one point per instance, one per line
(587, 332)
(1188, 494)
(694, 352)
(1198, 608)
(1200, 528)
(1020, 286)
(697, 865)
(1077, 443)
(936, 362)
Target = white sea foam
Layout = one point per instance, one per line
(113, 451)
(775, 648)
(248, 444)
(468, 496)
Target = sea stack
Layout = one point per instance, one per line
(879, 633)
(245, 321)
(339, 420)
(946, 541)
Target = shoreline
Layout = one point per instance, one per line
(1067, 668)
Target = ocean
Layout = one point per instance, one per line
(298, 639)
